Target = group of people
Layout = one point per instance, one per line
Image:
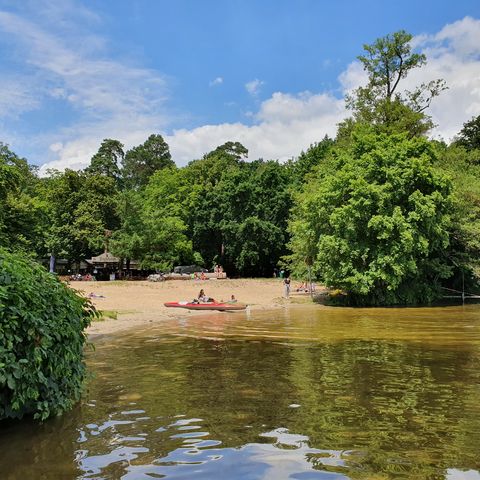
(199, 276)
(79, 277)
(304, 287)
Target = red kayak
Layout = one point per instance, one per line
(222, 307)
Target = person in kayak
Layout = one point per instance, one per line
(202, 298)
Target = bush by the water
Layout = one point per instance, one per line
(42, 337)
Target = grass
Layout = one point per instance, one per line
(104, 314)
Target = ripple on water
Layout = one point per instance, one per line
(304, 393)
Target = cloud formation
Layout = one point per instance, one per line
(287, 123)
(115, 98)
(106, 97)
(253, 87)
(216, 81)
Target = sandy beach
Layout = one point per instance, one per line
(138, 303)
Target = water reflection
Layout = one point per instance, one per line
(300, 393)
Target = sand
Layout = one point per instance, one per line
(138, 303)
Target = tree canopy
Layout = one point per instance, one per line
(378, 219)
(379, 211)
(382, 102)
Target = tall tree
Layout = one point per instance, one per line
(81, 206)
(106, 160)
(377, 221)
(22, 214)
(308, 160)
(382, 102)
(141, 162)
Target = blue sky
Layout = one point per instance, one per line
(269, 73)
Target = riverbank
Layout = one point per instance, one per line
(139, 303)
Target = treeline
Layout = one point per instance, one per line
(379, 212)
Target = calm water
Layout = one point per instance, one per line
(304, 393)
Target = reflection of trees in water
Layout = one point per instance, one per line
(409, 410)
(37, 451)
(399, 408)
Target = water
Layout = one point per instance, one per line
(303, 393)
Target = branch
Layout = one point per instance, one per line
(400, 70)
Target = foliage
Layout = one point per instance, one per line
(106, 160)
(240, 213)
(381, 102)
(377, 221)
(141, 162)
(307, 161)
(464, 250)
(80, 206)
(22, 215)
(469, 136)
(41, 340)
(153, 230)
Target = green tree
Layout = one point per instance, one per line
(80, 207)
(22, 212)
(153, 229)
(469, 136)
(381, 102)
(233, 149)
(127, 241)
(241, 221)
(141, 162)
(377, 221)
(308, 160)
(106, 160)
(464, 250)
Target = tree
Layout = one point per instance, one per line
(106, 160)
(153, 229)
(80, 206)
(241, 220)
(308, 160)
(22, 213)
(469, 136)
(141, 162)
(233, 149)
(381, 102)
(464, 249)
(377, 221)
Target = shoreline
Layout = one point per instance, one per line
(141, 303)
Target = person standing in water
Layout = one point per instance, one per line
(286, 286)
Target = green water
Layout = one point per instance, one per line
(302, 393)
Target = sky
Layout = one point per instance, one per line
(271, 74)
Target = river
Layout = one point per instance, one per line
(306, 392)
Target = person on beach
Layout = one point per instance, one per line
(286, 286)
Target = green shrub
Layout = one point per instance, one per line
(42, 337)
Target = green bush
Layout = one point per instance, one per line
(42, 338)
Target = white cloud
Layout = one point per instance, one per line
(17, 95)
(287, 124)
(108, 98)
(115, 99)
(216, 81)
(453, 54)
(253, 87)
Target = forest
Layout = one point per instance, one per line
(381, 212)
